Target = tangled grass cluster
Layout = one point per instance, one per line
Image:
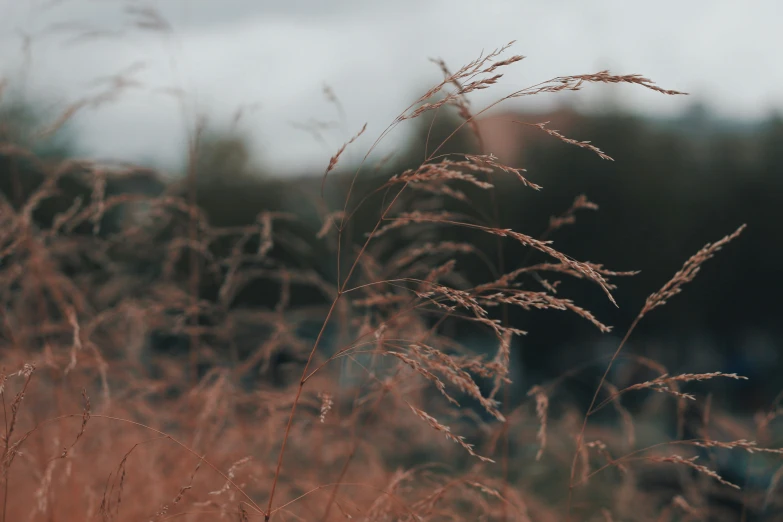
(387, 414)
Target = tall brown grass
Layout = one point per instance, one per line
(387, 414)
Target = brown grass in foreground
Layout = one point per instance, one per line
(385, 416)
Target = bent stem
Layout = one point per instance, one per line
(581, 436)
(303, 379)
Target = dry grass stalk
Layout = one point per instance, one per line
(691, 463)
(326, 405)
(625, 415)
(664, 384)
(542, 407)
(687, 273)
(569, 216)
(231, 475)
(403, 304)
(673, 287)
(437, 426)
(334, 159)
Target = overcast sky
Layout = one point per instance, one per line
(277, 56)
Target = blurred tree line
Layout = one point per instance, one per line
(675, 185)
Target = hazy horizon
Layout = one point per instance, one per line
(375, 58)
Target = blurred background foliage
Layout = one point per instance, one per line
(675, 185)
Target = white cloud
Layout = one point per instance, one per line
(374, 55)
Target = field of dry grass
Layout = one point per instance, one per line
(382, 412)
